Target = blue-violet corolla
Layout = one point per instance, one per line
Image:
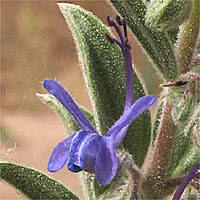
(86, 149)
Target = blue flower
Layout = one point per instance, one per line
(86, 149)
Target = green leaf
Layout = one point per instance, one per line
(168, 13)
(193, 121)
(155, 43)
(185, 154)
(34, 184)
(104, 73)
(187, 39)
(190, 158)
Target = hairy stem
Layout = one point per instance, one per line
(136, 175)
(163, 143)
(187, 39)
(162, 148)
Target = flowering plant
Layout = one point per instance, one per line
(124, 150)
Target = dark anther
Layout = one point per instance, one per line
(128, 44)
(109, 21)
(180, 83)
(119, 20)
(108, 38)
(172, 84)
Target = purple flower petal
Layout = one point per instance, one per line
(81, 153)
(90, 152)
(136, 109)
(106, 162)
(185, 182)
(120, 136)
(61, 94)
(60, 155)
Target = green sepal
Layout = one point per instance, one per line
(34, 184)
(104, 73)
(155, 43)
(168, 13)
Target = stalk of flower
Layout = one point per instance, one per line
(86, 149)
(186, 181)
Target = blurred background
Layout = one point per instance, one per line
(36, 44)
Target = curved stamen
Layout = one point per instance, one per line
(119, 20)
(109, 21)
(125, 28)
(125, 48)
(118, 30)
(113, 40)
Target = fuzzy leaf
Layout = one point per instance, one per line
(34, 184)
(186, 154)
(168, 13)
(194, 120)
(190, 158)
(104, 72)
(187, 38)
(155, 43)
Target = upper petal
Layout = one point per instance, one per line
(83, 151)
(60, 155)
(120, 136)
(106, 162)
(136, 109)
(61, 94)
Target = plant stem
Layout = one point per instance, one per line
(163, 145)
(136, 179)
(187, 39)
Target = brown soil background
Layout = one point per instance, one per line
(36, 44)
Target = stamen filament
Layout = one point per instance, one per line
(125, 48)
